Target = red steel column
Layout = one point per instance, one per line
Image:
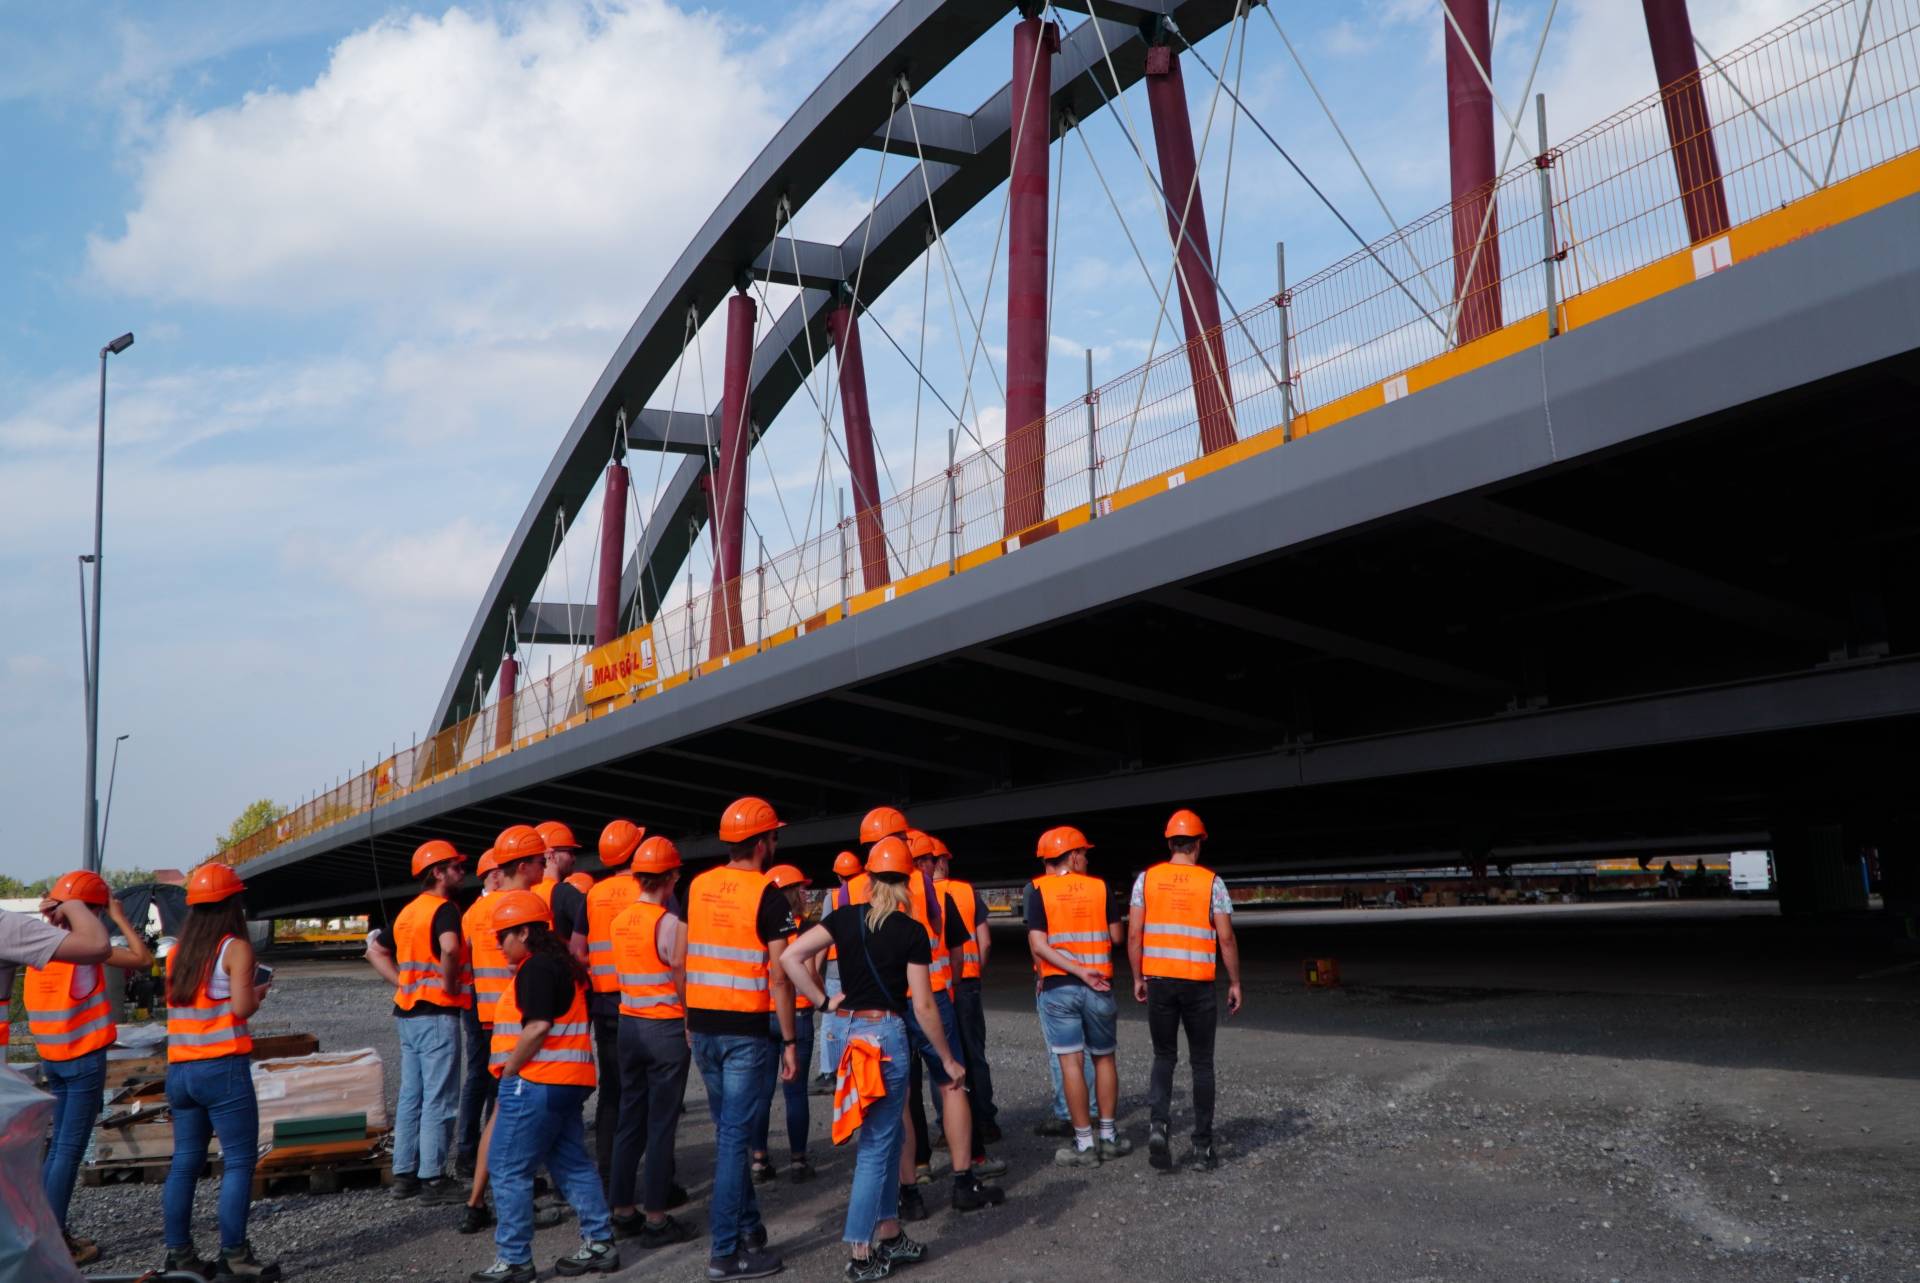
(1696, 162)
(1476, 280)
(503, 717)
(1199, 297)
(1034, 44)
(613, 547)
(727, 629)
(866, 482)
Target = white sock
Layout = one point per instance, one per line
(1083, 1138)
(1106, 1129)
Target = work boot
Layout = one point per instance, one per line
(506, 1272)
(744, 1264)
(761, 1171)
(988, 1165)
(665, 1232)
(822, 1085)
(913, 1207)
(474, 1219)
(600, 1257)
(405, 1185)
(1118, 1147)
(83, 1250)
(901, 1250)
(442, 1191)
(1054, 1128)
(1074, 1156)
(800, 1171)
(1159, 1148)
(1204, 1157)
(545, 1218)
(240, 1263)
(185, 1260)
(973, 1195)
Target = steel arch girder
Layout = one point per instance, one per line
(849, 112)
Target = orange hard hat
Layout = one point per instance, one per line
(788, 875)
(1055, 843)
(889, 855)
(881, 822)
(846, 864)
(517, 908)
(88, 888)
(657, 855)
(489, 861)
(919, 845)
(747, 819)
(558, 835)
(431, 853)
(939, 847)
(1185, 824)
(521, 842)
(212, 883)
(618, 841)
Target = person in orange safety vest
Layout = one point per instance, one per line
(487, 974)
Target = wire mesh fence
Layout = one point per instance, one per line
(1823, 98)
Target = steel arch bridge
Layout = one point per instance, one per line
(1419, 634)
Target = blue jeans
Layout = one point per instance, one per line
(936, 1072)
(78, 1086)
(208, 1098)
(1075, 1018)
(535, 1125)
(799, 1114)
(429, 1094)
(1053, 1066)
(477, 1091)
(876, 1163)
(833, 1029)
(735, 1069)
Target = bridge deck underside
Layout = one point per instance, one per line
(1651, 585)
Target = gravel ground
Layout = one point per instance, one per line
(1391, 1131)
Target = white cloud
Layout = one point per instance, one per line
(446, 565)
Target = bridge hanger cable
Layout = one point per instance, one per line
(688, 331)
(784, 207)
(1233, 133)
(1758, 115)
(913, 461)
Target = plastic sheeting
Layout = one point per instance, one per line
(31, 1247)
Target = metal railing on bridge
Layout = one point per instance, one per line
(1812, 123)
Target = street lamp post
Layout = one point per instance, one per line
(92, 848)
(106, 818)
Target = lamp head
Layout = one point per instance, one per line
(119, 345)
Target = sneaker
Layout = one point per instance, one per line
(973, 1195)
(871, 1270)
(912, 1206)
(761, 1171)
(185, 1260)
(1074, 1156)
(989, 1133)
(1159, 1148)
(744, 1264)
(800, 1171)
(442, 1191)
(474, 1219)
(240, 1263)
(405, 1184)
(1054, 1129)
(505, 1272)
(677, 1196)
(755, 1239)
(988, 1165)
(665, 1233)
(822, 1085)
(601, 1257)
(1118, 1147)
(1204, 1156)
(83, 1250)
(901, 1250)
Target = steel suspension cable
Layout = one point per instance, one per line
(1233, 133)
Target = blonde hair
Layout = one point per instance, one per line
(883, 898)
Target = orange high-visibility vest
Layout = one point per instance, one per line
(605, 903)
(416, 954)
(565, 1057)
(207, 1029)
(940, 974)
(644, 977)
(65, 1027)
(1076, 907)
(969, 906)
(858, 1081)
(488, 967)
(1176, 931)
(726, 959)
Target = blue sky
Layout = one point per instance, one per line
(376, 255)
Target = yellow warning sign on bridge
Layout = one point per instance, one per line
(620, 665)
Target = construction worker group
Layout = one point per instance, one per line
(554, 988)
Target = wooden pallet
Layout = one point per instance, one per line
(309, 1169)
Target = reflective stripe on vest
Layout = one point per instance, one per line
(564, 1057)
(643, 976)
(940, 971)
(969, 905)
(1076, 910)
(485, 963)
(606, 902)
(1176, 930)
(206, 1029)
(416, 954)
(726, 959)
(63, 1027)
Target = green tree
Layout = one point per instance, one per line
(121, 879)
(12, 888)
(249, 822)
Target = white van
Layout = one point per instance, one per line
(1751, 872)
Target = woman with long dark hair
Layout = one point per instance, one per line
(210, 995)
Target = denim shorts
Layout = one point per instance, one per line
(937, 1072)
(1076, 1019)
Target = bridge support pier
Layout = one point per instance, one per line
(613, 544)
(845, 327)
(1187, 223)
(1476, 252)
(1696, 161)
(1025, 501)
(1818, 864)
(726, 629)
(503, 715)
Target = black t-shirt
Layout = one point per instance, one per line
(543, 988)
(446, 919)
(899, 941)
(569, 910)
(774, 922)
(956, 932)
(1036, 916)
